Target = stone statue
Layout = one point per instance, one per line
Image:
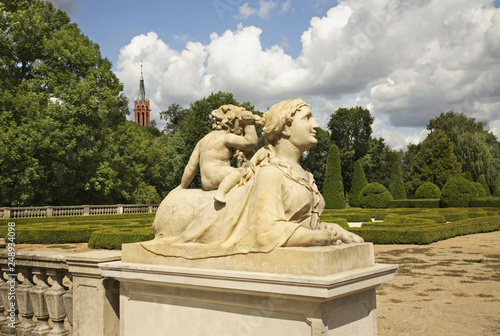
(275, 204)
(233, 130)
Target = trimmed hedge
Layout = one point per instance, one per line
(333, 187)
(422, 234)
(428, 190)
(113, 239)
(493, 202)
(52, 235)
(374, 195)
(414, 203)
(358, 183)
(458, 192)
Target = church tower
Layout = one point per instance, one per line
(141, 105)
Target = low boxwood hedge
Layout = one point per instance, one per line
(374, 195)
(414, 203)
(426, 234)
(113, 239)
(52, 235)
(484, 202)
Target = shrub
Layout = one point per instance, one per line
(480, 189)
(458, 192)
(113, 239)
(492, 202)
(358, 183)
(374, 195)
(428, 190)
(482, 179)
(496, 190)
(414, 203)
(333, 187)
(396, 185)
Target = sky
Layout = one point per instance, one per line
(406, 61)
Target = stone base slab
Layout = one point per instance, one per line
(315, 261)
(173, 300)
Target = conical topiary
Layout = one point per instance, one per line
(396, 185)
(333, 188)
(358, 183)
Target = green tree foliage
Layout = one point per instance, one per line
(435, 161)
(378, 161)
(477, 150)
(468, 176)
(173, 117)
(397, 186)
(358, 183)
(496, 190)
(482, 179)
(350, 129)
(333, 189)
(428, 190)
(374, 195)
(458, 192)
(315, 158)
(58, 101)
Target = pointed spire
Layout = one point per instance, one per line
(142, 90)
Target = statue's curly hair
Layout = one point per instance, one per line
(279, 116)
(224, 117)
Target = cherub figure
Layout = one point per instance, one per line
(233, 133)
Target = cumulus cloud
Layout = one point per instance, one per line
(407, 61)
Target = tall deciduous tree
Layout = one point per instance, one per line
(350, 129)
(435, 161)
(58, 101)
(333, 189)
(477, 149)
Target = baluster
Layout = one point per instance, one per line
(68, 301)
(8, 288)
(3, 319)
(23, 300)
(37, 296)
(55, 303)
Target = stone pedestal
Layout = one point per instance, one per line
(95, 298)
(215, 297)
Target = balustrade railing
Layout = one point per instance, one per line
(36, 294)
(37, 291)
(76, 210)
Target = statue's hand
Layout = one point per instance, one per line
(340, 235)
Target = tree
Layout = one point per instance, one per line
(350, 129)
(173, 116)
(358, 183)
(477, 149)
(315, 158)
(458, 192)
(333, 189)
(435, 161)
(58, 101)
(496, 190)
(397, 186)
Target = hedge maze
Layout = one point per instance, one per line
(380, 226)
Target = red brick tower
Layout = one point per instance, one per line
(141, 105)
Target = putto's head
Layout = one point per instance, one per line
(224, 118)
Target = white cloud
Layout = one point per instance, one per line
(264, 10)
(406, 61)
(286, 6)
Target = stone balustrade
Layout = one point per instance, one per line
(37, 291)
(75, 210)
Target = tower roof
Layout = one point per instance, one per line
(142, 90)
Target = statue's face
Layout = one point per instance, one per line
(302, 132)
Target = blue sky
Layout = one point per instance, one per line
(406, 61)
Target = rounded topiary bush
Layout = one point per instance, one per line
(480, 189)
(428, 190)
(458, 192)
(374, 195)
